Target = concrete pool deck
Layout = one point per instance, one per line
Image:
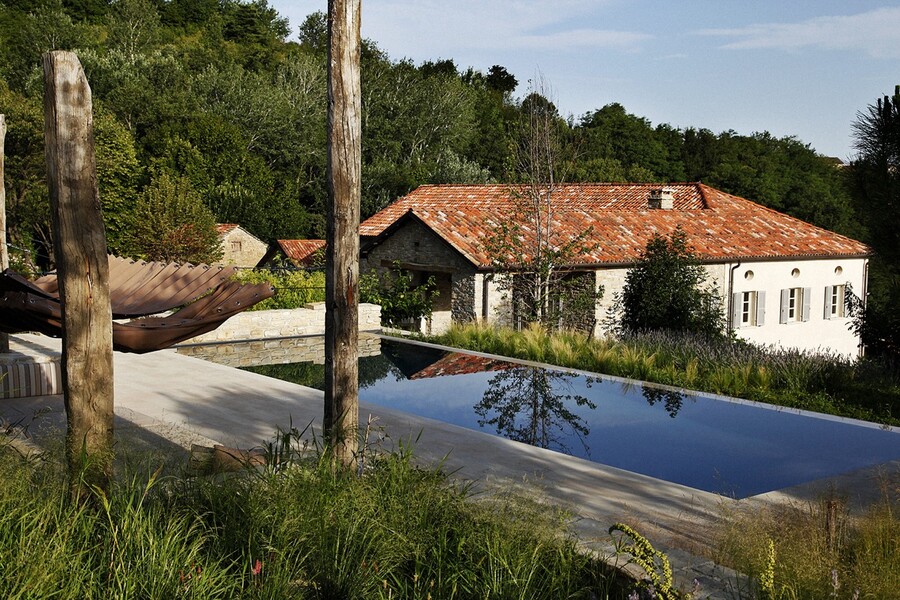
(167, 398)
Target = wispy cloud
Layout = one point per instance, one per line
(500, 24)
(876, 33)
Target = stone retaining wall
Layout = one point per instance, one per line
(274, 352)
(33, 366)
(262, 324)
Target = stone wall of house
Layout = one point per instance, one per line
(260, 324)
(463, 310)
(241, 248)
(418, 249)
(274, 351)
(415, 244)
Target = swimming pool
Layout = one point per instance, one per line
(730, 447)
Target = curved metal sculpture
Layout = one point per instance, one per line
(202, 297)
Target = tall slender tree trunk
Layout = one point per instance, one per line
(4, 254)
(341, 422)
(82, 270)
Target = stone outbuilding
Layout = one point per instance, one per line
(240, 247)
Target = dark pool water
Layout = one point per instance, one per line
(732, 448)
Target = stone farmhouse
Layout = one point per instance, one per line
(782, 281)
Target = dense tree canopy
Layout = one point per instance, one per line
(213, 91)
(875, 176)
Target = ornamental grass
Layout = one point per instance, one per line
(298, 528)
(822, 382)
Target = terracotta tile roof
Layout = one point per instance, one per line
(461, 364)
(719, 226)
(224, 228)
(302, 252)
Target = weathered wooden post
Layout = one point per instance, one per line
(82, 271)
(4, 254)
(341, 422)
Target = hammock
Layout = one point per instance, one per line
(204, 296)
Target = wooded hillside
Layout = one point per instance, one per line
(205, 104)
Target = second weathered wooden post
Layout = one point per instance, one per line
(341, 422)
(4, 253)
(82, 271)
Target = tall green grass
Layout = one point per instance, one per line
(826, 383)
(299, 529)
(810, 552)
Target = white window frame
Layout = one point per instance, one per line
(835, 304)
(795, 305)
(748, 309)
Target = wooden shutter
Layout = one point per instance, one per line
(760, 309)
(785, 302)
(829, 290)
(736, 304)
(807, 299)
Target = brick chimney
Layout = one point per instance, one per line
(661, 198)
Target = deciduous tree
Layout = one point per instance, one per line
(528, 248)
(172, 224)
(668, 290)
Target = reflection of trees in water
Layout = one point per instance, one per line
(527, 406)
(672, 399)
(372, 369)
(303, 373)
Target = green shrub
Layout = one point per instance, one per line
(293, 289)
(401, 301)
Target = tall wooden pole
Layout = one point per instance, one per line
(4, 254)
(341, 422)
(82, 270)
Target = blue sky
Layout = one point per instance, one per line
(791, 67)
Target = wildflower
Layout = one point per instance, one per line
(767, 577)
(835, 584)
(256, 569)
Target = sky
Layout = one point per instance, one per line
(801, 68)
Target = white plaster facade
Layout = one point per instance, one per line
(820, 321)
(812, 330)
(766, 279)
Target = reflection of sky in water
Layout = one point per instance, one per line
(718, 446)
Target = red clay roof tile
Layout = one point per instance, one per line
(301, 251)
(719, 226)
